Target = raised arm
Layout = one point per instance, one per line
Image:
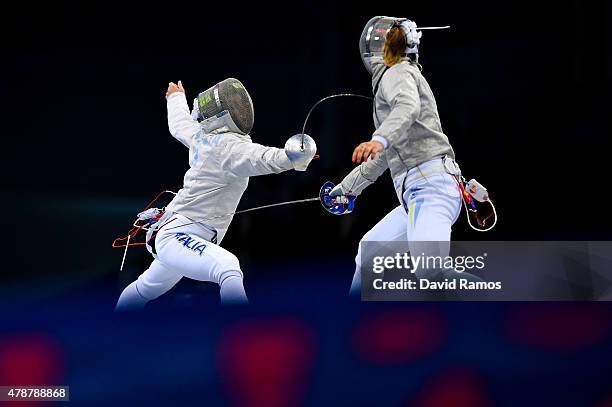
(180, 123)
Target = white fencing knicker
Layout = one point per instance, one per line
(183, 248)
(431, 203)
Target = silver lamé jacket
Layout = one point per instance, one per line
(220, 164)
(406, 118)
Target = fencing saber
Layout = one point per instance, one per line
(434, 28)
(276, 204)
(323, 100)
(256, 208)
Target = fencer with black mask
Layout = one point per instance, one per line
(185, 241)
(408, 141)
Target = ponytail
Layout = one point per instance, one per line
(395, 46)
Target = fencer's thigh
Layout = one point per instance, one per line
(156, 280)
(390, 228)
(432, 208)
(185, 252)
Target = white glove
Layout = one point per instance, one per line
(300, 157)
(148, 214)
(195, 112)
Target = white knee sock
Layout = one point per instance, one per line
(130, 299)
(232, 291)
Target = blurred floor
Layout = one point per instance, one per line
(303, 342)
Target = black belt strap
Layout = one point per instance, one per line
(376, 91)
(380, 79)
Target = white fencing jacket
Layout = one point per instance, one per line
(221, 163)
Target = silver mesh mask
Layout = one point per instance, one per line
(372, 40)
(227, 104)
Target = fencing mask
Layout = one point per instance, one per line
(372, 41)
(227, 106)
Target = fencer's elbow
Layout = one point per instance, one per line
(179, 135)
(173, 131)
(411, 110)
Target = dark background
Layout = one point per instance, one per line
(522, 89)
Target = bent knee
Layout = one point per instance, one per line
(148, 290)
(228, 262)
(367, 244)
(364, 240)
(228, 266)
(226, 275)
(370, 236)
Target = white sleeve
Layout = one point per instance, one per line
(180, 123)
(247, 159)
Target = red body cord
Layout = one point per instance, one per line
(134, 230)
(469, 200)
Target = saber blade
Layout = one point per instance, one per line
(323, 100)
(297, 201)
(275, 204)
(434, 28)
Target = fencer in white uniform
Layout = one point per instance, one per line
(408, 141)
(185, 242)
